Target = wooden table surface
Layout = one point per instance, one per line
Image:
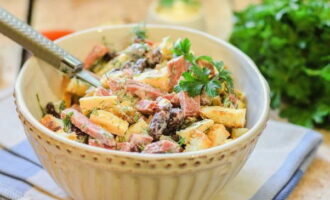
(81, 14)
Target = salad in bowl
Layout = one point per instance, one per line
(156, 97)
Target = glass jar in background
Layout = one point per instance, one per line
(212, 16)
(188, 13)
(218, 17)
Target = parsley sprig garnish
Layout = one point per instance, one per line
(140, 31)
(182, 48)
(198, 79)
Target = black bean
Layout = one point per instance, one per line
(139, 65)
(175, 121)
(154, 57)
(50, 109)
(158, 124)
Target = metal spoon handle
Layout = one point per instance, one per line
(43, 48)
(39, 45)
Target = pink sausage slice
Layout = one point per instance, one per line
(176, 67)
(189, 105)
(163, 146)
(85, 125)
(147, 106)
(143, 90)
(97, 52)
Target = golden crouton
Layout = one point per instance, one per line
(218, 134)
(198, 141)
(234, 118)
(237, 132)
(52, 122)
(156, 78)
(139, 127)
(110, 122)
(199, 126)
(77, 87)
(87, 104)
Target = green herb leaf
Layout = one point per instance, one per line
(140, 31)
(197, 78)
(182, 48)
(67, 122)
(181, 141)
(43, 112)
(212, 87)
(289, 41)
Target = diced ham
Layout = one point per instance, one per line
(97, 52)
(140, 139)
(175, 68)
(51, 122)
(85, 125)
(173, 97)
(147, 106)
(96, 143)
(143, 90)
(189, 105)
(163, 146)
(125, 146)
(114, 85)
(101, 91)
(233, 98)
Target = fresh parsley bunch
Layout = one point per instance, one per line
(290, 42)
(198, 79)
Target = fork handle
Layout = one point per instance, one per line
(39, 45)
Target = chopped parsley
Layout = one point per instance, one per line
(67, 122)
(182, 48)
(198, 79)
(43, 112)
(181, 141)
(140, 31)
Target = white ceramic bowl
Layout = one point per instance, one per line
(88, 173)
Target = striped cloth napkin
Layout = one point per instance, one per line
(279, 160)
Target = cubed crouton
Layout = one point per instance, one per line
(199, 126)
(218, 134)
(77, 87)
(156, 78)
(237, 132)
(110, 122)
(234, 118)
(87, 104)
(198, 141)
(52, 122)
(139, 127)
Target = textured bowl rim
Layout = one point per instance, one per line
(257, 127)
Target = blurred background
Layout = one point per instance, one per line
(56, 18)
